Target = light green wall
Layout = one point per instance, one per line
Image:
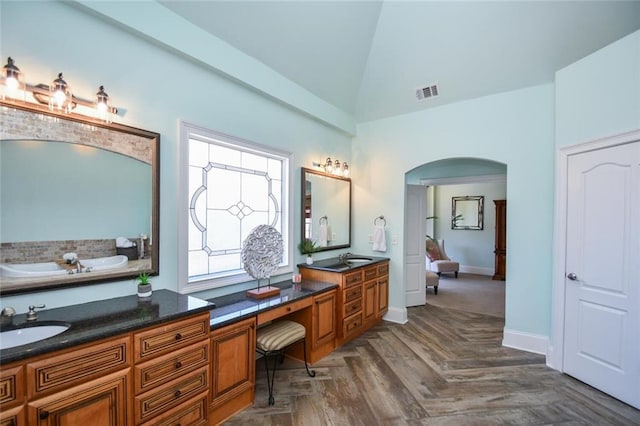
(472, 248)
(157, 88)
(513, 128)
(599, 95)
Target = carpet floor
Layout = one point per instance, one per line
(470, 293)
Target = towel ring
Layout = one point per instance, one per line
(384, 221)
(326, 221)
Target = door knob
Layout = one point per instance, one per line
(572, 276)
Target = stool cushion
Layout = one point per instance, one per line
(279, 335)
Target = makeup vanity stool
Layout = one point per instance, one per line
(271, 342)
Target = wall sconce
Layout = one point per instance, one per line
(334, 167)
(58, 96)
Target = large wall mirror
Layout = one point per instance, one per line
(467, 212)
(326, 209)
(71, 184)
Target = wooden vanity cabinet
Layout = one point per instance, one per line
(376, 293)
(323, 334)
(98, 383)
(233, 374)
(362, 297)
(89, 384)
(171, 372)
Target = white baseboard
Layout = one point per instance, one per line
(525, 341)
(397, 315)
(479, 270)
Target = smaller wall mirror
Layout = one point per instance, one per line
(467, 212)
(326, 209)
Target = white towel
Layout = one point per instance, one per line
(323, 235)
(124, 242)
(379, 239)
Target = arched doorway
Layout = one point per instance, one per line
(429, 191)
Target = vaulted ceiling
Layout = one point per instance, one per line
(367, 58)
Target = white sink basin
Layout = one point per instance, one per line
(46, 269)
(30, 334)
(359, 259)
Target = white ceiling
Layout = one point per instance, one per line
(368, 57)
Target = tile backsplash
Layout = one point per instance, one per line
(50, 251)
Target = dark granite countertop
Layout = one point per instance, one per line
(237, 306)
(104, 318)
(334, 264)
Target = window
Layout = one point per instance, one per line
(229, 186)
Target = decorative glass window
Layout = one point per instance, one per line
(233, 187)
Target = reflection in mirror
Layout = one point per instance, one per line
(78, 200)
(467, 212)
(326, 209)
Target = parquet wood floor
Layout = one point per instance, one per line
(444, 367)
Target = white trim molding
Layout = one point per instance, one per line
(397, 315)
(478, 270)
(525, 341)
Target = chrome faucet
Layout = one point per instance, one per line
(32, 315)
(78, 265)
(344, 257)
(72, 259)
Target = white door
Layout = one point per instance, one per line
(416, 213)
(602, 284)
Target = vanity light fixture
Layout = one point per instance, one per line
(57, 96)
(12, 79)
(103, 111)
(334, 167)
(60, 96)
(328, 165)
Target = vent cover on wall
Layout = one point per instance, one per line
(426, 92)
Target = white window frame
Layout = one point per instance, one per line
(188, 131)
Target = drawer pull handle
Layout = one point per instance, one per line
(178, 364)
(178, 336)
(44, 414)
(177, 394)
(288, 308)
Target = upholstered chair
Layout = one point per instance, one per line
(437, 259)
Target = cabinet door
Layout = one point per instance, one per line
(370, 301)
(102, 401)
(383, 296)
(324, 319)
(233, 360)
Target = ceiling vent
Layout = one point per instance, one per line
(427, 92)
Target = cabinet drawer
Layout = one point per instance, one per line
(383, 269)
(191, 413)
(351, 324)
(283, 310)
(170, 366)
(352, 278)
(163, 398)
(370, 272)
(352, 307)
(164, 339)
(77, 366)
(352, 293)
(11, 386)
